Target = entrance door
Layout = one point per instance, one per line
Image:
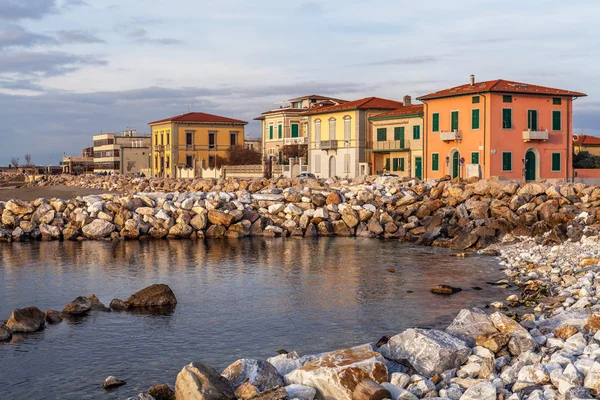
(332, 167)
(530, 166)
(532, 120)
(455, 164)
(419, 167)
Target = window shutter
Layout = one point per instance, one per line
(556, 121)
(507, 118)
(435, 160)
(475, 99)
(454, 122)
(475, 119)
(506, 161)
(416, 132)
(270, 131)
(402, 164)
(381, 134)
(475, 158)
(555, 162)
(436, 122)
(387, 164)
(395, 164)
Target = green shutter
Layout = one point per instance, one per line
(436, 122)
(294, 130)
(435, 162)
(506, 118)
(279, 131)
(402, 164)
(507, 99)
(557, 101)
(506, 161)
(399, 135)
(271, 132)
(475, 99)
(381, 134)
(556, 121)
(416, 132)
(475, 157)
(555, 162)
(395, 164)
(475, 119)
(454, 121)
(387, 164)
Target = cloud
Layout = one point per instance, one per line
(20, 84)
(140, 36)
(17, 36)
(45, 64)
(26, 9)
(404, 61)
(78, 36)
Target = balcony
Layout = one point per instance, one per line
(530, 135)
(329, 144)
(295, 140)
(158, 148)
(450, 136)
(388, 145)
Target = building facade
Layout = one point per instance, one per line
(338, 136)
(499, 128)
(128, 153)
(286, 125)
(192, 141)
(83, 164)
(253, 144)
(588, 143)
(395, 144)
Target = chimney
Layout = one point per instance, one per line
(472, 80)
(406, 101)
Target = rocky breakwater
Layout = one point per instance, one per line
(461, 215)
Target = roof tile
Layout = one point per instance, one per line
(361, 104)
(200, 118)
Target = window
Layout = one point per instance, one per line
(399, 136)
(189, 161)
(318, 130)
(556, 162)
(416, 132)
(381, 134)
(211, 140)
(454, 121)
(347, 128)
(233, 138)
(346, 163)
(396, 164)
(166, 163)
(506, 118)
(507, 98)
(475, 157)
(556, 121)
(532, 120)
(331, 128)
(475, 99)
(435, 123)
(506, 161)
(168, 137)
(557, 101)
(387, 164)
(189, 138)
(279, 131)
(155, 139)
(162, 138)
(402, 164)
(435, 162)
(318, 163)
(475, 119)
(294, 130)
(271, 132)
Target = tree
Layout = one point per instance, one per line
(28, 160)
(241, 155)
(292, 151)
(220, 161)
(585, 160)
(14, 162)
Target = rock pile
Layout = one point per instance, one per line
(444, 213)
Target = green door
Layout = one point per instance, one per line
(399, 136)
(294, 130)
(530, 166)
(455, 162)
(532, 120)
(419, 167)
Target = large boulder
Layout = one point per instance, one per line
(161, 392)
(257, 376)
(98, 229)
(470, 323)
(335, 375)
(521, 340)
(156, 295)
(217, 217)
(80, 305)
(199, 382)
(285, 363)
(29, 319)
(430, 352)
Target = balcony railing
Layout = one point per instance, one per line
(389, 145)
(329, 144)
(295, 140)
(529, 135)
(450, 136)
(159, 148)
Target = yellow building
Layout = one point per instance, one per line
(588, 143)
(396, 142)
(192, 141)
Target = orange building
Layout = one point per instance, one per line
(499, 128)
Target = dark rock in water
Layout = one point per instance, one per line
(161, 392)
(30, 319)
(392, 270)
(153, 296)
(80, 305)
(53, 317)
(502, 283)
(476, 288)
(384, 339)
(409, 291)
(97, 305)
(282, 351)
(489, 252)
(112, 382)
(118, 304)
(5, 334)
(445, 289)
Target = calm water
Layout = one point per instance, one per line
(237, 299)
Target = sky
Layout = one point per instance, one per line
(70, 69)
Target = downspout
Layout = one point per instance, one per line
(569, 136)
(425, 154)
(484, 135)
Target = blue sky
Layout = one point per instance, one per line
(70, 69)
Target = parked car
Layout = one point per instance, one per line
(388, 174)
(306, 175)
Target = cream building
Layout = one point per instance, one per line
(128, 153)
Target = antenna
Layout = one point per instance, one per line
(189, 107)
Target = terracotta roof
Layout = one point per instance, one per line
(402, 111)
(200, 118)
(318, 97)
(501, 86)
(587, 140)
(361, 104)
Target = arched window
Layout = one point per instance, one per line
(331, 128)
(347, 129)
(317, 130)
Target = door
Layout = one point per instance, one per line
(332, 167)
(530, 166)
(532, 120)
(419, 167)
(455, 163)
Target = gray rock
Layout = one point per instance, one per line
(80, 305)
(470, 323)
(480, 391)
(29, 319)
(258, 373)
(197, 381)
(98, 229)
(112, 382)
